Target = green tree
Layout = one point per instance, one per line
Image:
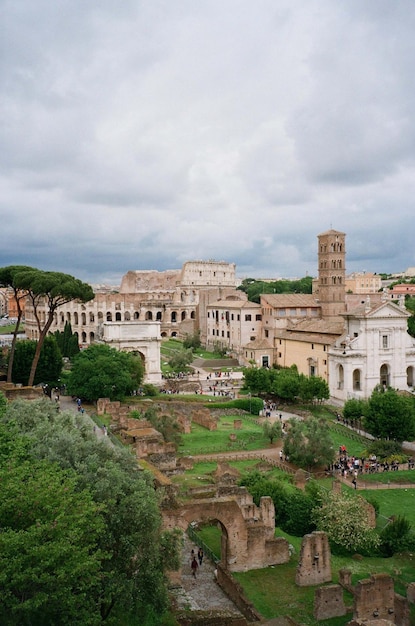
(49, 557)
(258, 380)
(192, 341)
(137, 551)
(396, 537)
(254, 288)
(272, 430)
(181, 360)
(340, 516)
(3, 404)
(50, 362)
(8, 279)
(52, 289)
(390, 415)
(100, 371)
(354, 410)
(411, 325)
(313, 388)
(293, 507)
(287, 384)
(67, 341)
(308, 443)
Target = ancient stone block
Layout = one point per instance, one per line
(314, 567)
(374, 597)
(329, 602)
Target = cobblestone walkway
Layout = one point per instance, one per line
(203, 592)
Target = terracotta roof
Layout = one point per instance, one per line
(321, 326)
(258, 344)
(234, 304)
(284, 300)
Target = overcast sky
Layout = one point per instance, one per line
(139, 134)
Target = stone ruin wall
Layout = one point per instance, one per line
(314, 567)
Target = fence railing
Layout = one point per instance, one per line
(195, 537)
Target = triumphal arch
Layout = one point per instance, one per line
(141, 337)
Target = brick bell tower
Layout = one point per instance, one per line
(332, 273)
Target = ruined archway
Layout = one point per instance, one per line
(248, 540)
(195, 526)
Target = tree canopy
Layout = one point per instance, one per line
(52, 289)
(285, 383)
(390, 415)
(308, 443)
(8, 279)
(100, 371)
(91, 517)
(341, 516)
(50, 362)
(254, 288)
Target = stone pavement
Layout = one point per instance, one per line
(203, 592)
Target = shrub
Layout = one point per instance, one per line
(386, 450)
(396, 537)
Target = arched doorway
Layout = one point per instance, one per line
(357, 383)
(385, 375)
(340, 377)
(212, 536)
(410, 376)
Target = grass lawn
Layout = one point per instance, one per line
(353, 446)
(274, 593)
(203, 441)
(406, 477)
(393, 502)
(201, 474)
(9, 329)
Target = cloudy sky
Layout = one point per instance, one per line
(139, 134)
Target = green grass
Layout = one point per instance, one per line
(202, 441)
(406, 477)
(9, 329)
(274, 593)
(201, 474)
(393, 502)
(353, 446)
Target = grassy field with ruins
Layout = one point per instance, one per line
(225, 438)
(274, 593)
(272, 590)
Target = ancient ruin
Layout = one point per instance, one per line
(314, 567)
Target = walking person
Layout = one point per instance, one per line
(194, 565)
(200, 556)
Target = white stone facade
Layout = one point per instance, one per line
(232, 323)
(376, 349)
(142, 337)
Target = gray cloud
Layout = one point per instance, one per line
(142, 135)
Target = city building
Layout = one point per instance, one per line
(374, 349)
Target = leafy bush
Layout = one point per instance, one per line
(396, 537)
(341, 516)
(150, 390)
(386, 450)
(192, 341)
(292, 507)
(250, 405)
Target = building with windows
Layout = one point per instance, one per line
(374, 349)
(363, 282)
(232, 323)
